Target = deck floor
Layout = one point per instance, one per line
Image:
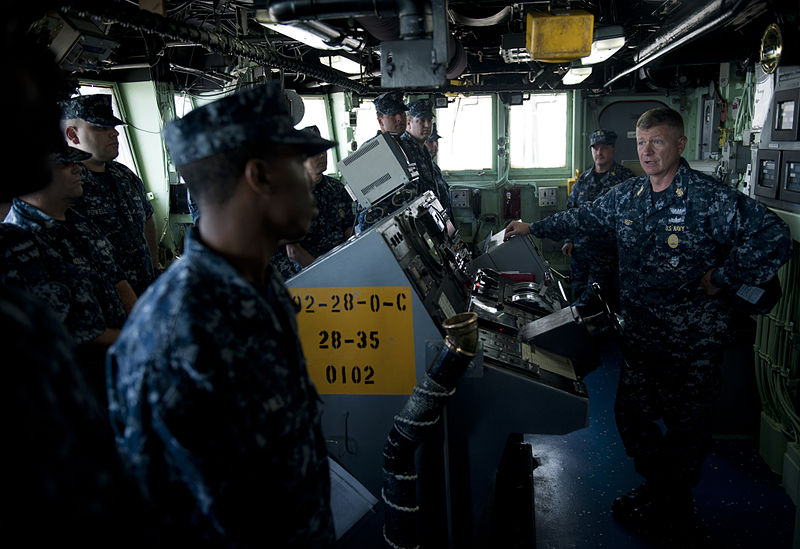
(740, 501)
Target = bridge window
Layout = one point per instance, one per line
(316, 114)
(366, 122)
(538, 132)
(466, 129)
(183, 104)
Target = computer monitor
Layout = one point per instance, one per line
(377, 169)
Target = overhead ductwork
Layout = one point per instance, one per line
(387, 29)
(223, 44)
(706, 18)
(386, 20)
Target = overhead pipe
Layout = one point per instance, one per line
(420, 413)
(700, 22)
(414, 15)
(284, 11)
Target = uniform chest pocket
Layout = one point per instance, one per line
(678, 247)
(629, 234)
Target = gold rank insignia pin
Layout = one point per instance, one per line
(679, 192)
(640, 190)
(627, 221)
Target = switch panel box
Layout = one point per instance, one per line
(459, 198)
(548, 197)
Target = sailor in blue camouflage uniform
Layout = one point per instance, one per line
(686, 242)
(114, 198)
(209, 394)
(391, 112)
(419, 128)
(65, 483)
(595, 259)
(334, 224)
(99, 294)
(28, 265)
(432, 143)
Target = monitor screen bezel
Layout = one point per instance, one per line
(793, 133)
(762, 190)
(786, 194)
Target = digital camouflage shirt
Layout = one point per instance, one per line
(430, 177)
(328, 229)
(214, 410)
(115, 201)
(87, 268)
(67, 481)
(335, 217)
(594, 258)
(30, 265)
(667, 241)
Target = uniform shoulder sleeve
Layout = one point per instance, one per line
(761, 243)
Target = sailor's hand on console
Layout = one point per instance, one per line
(516, 228)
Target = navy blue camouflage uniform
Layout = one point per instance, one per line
(31, 266)
(214, 410)
(87, 268)
(67, 481)
(430, 177)
(335, 217)
(284, 264)
(210, 399)
(328, 229)
(594, 259)
(115, 201)
(674, 333)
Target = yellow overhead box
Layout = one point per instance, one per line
(558, 37)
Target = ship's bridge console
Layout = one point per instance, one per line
(370, 319)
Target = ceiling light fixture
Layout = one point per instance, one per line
(301, 34)
(607, 41)
(576, 75)
(341, 63)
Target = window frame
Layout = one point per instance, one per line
(554, 172)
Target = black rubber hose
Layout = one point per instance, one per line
(420, 413)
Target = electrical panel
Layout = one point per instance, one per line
(709, 129)
(512, 207)
(776, 169)
(460, 198)
(548, 197)
(78, 45)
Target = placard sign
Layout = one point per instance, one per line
(358, 341)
